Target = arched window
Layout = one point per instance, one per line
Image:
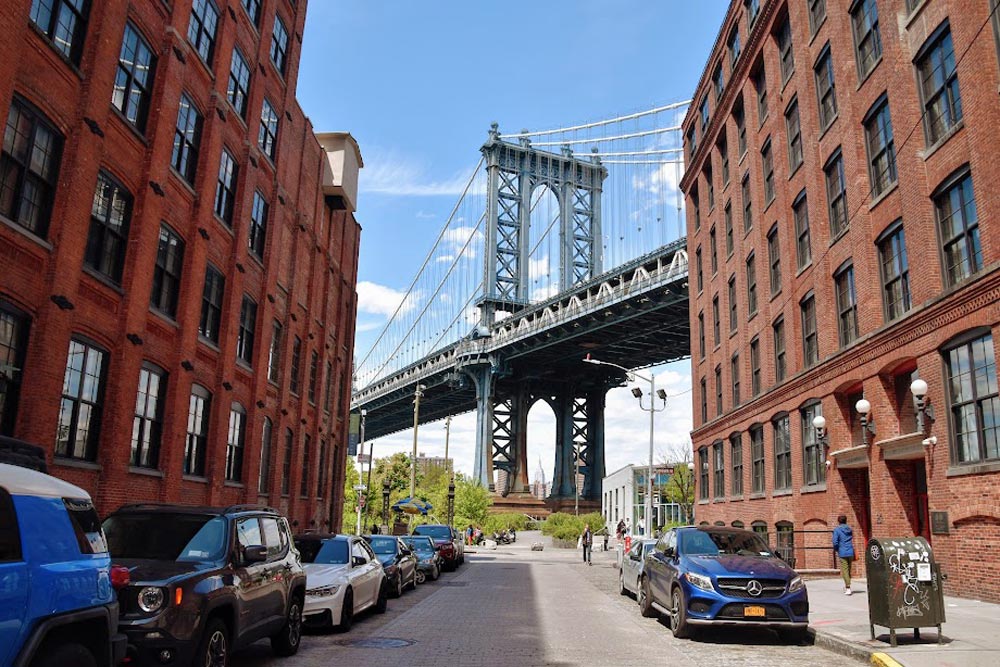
(785, 541)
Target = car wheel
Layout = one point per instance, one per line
(435, 573)
(678, 614)
(399, 585)
(413, 580)
(797, 636)
(383, 599)
(287, 641)
(67, 654)
(347, 611)
(621, 584)
(421, 576)
(645, 600)
(214, 648)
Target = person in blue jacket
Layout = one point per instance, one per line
(843, 547)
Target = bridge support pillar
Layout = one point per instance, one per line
(482, 377)
(579, 442)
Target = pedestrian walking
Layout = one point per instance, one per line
(843, 548)
(620, 529)
(642, 527)
(587, 540)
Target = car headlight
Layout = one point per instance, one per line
(322, 591)
(699, 581)
(390, 569)
(151, 599)
(796, 584)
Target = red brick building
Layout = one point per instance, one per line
(178, 254)
(843, 226)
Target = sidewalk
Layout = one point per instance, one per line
(971, 631)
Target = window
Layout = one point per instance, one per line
(704, 401)
(238, 89)
(279, 45)
(234, 443)
(783, 36)
(718, 470)
(757, 459)
(134, 78)
(895, 271)
(817, 14)
(248, 327)
(736, 464)
(274, 354)
(147, 425)
(774, 259)
(10, 533)
(718, 82)
(733, 314)
(782, 454)
(258, 224)
(734, 372)
(187, 136)
(201, 29)
(760, 85)
(825, 89)
(724, 159)
(847, 305)
(64, 23)
(793, 130)
(727, 215)
(699, 276)
(109, 223)
(709, 184)
(784, 541)
(252, 8)
(324, 462)
(167, 272)
(813, 461)
(196, 442)
(836, 194)
(751, 285)
(695, 208)
(29, 168)
(306, 455)
(701, 335)
(692, 143)
(286, 465)
(755, 384)
(995, 10)
(267, 137)
(718, 390)
(14, 326)
(713, 255)
(225, 191)
(767, 164)
(778, 332)
(327, 386)
(703, 473)
(296, 363)
(803, 244)
(747, 203)
(715, 320)
(975, 404)
(82, 398)
(211, 304)
(955, 209)
(313, 371)
(704, 114)
(753, 10)
(733, 46)
(739, 115)
(810, 343)
(881, 149)
(264, 479)
(867, 40)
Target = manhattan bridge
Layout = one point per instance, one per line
(564, 243)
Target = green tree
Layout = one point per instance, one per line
(680, 487)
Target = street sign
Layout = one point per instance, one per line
(364, 458)
(360, 487)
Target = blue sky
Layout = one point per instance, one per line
(418, 83)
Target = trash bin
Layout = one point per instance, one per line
(905, 589)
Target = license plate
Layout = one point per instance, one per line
(754, 611)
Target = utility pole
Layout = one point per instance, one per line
(450, 471)
(417, 393)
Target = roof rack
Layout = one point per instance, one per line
(249, 507)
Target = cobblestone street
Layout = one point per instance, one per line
(517, 607)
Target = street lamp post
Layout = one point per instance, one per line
(417, 393)
(451, 474)
(631, 375)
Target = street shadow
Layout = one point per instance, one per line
(907, 638)
(735, 635)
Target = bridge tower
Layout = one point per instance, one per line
(514, 172)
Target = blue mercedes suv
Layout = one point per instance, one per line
(707, 575)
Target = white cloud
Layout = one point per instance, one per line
(368, 326)
(421, 215)
(376, 299)
(390, 173)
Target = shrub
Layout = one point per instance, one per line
(505, 521)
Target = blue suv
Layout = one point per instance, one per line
(706, 575)
(57, 604)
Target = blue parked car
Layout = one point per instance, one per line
(57, 604)
(705, 575)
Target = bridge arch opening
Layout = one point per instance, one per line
(541, 448)
(544, 243)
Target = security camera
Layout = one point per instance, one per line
(927, 442)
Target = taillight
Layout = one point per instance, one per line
(120, 577)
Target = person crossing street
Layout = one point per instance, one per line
(587, 540)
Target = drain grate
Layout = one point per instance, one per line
(376, 642)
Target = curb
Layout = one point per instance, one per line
(884, 660)
(847, 648)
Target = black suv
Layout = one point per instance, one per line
(205, 581)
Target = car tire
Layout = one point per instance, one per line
(678, 614)
(382, 603)
(621, 583)
(213, 649)
(435, 573)
(347, 611)
(797, 636)
(421, 577)
(398, 593)
(74, 654)
(286, 642)
(645, 600)
(413, 580)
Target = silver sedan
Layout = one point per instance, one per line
(632, 564)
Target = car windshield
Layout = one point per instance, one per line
(323, 552)
(721, 543)
(648, 547)
(160, 536)
(419, 543)
(383, 546)
(437, 532)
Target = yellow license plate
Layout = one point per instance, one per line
(754, 611)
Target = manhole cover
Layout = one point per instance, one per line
(377, 642)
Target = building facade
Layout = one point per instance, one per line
(829, 145)
(624, 497)
(179, 255)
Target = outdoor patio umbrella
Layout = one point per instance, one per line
(412, 506)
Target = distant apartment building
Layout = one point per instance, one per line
(179, 255)
(426, 463)
(829, 146)
(623, 496)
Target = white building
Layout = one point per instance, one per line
(623, 497)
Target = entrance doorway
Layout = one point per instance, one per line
(922, 527)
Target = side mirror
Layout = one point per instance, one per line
(357, 561)
(669, 552)
(254, 554)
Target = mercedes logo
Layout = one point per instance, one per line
(754, 587)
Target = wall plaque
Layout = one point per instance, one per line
(939, 523)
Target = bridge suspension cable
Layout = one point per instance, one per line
(599, 123)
